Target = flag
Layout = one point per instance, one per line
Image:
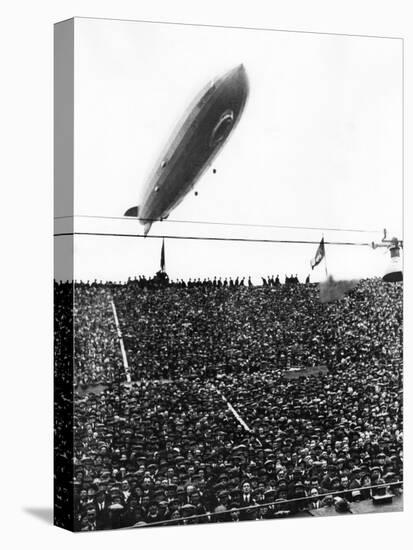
(163, 255)
(319, 255)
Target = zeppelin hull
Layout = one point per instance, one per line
(197, 141)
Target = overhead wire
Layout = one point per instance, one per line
(221, 223)
(201, 238)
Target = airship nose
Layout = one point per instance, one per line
(237, 72)
(242, 78)
(238, 76)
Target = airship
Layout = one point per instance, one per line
(206, 126)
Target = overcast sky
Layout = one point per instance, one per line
(319, 144)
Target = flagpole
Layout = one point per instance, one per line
(163, 256)
(325, 258)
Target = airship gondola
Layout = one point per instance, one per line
(210, 120)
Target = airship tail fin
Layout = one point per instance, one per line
(132, 212)
(146, 228)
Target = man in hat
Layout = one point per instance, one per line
(102, 504)
(152, 515)
(247, 500)
(91, 519)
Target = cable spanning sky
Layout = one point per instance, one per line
(318, 145)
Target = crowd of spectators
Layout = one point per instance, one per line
(95, 337)
(178, 330)
(161, 280)
(211, 428)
